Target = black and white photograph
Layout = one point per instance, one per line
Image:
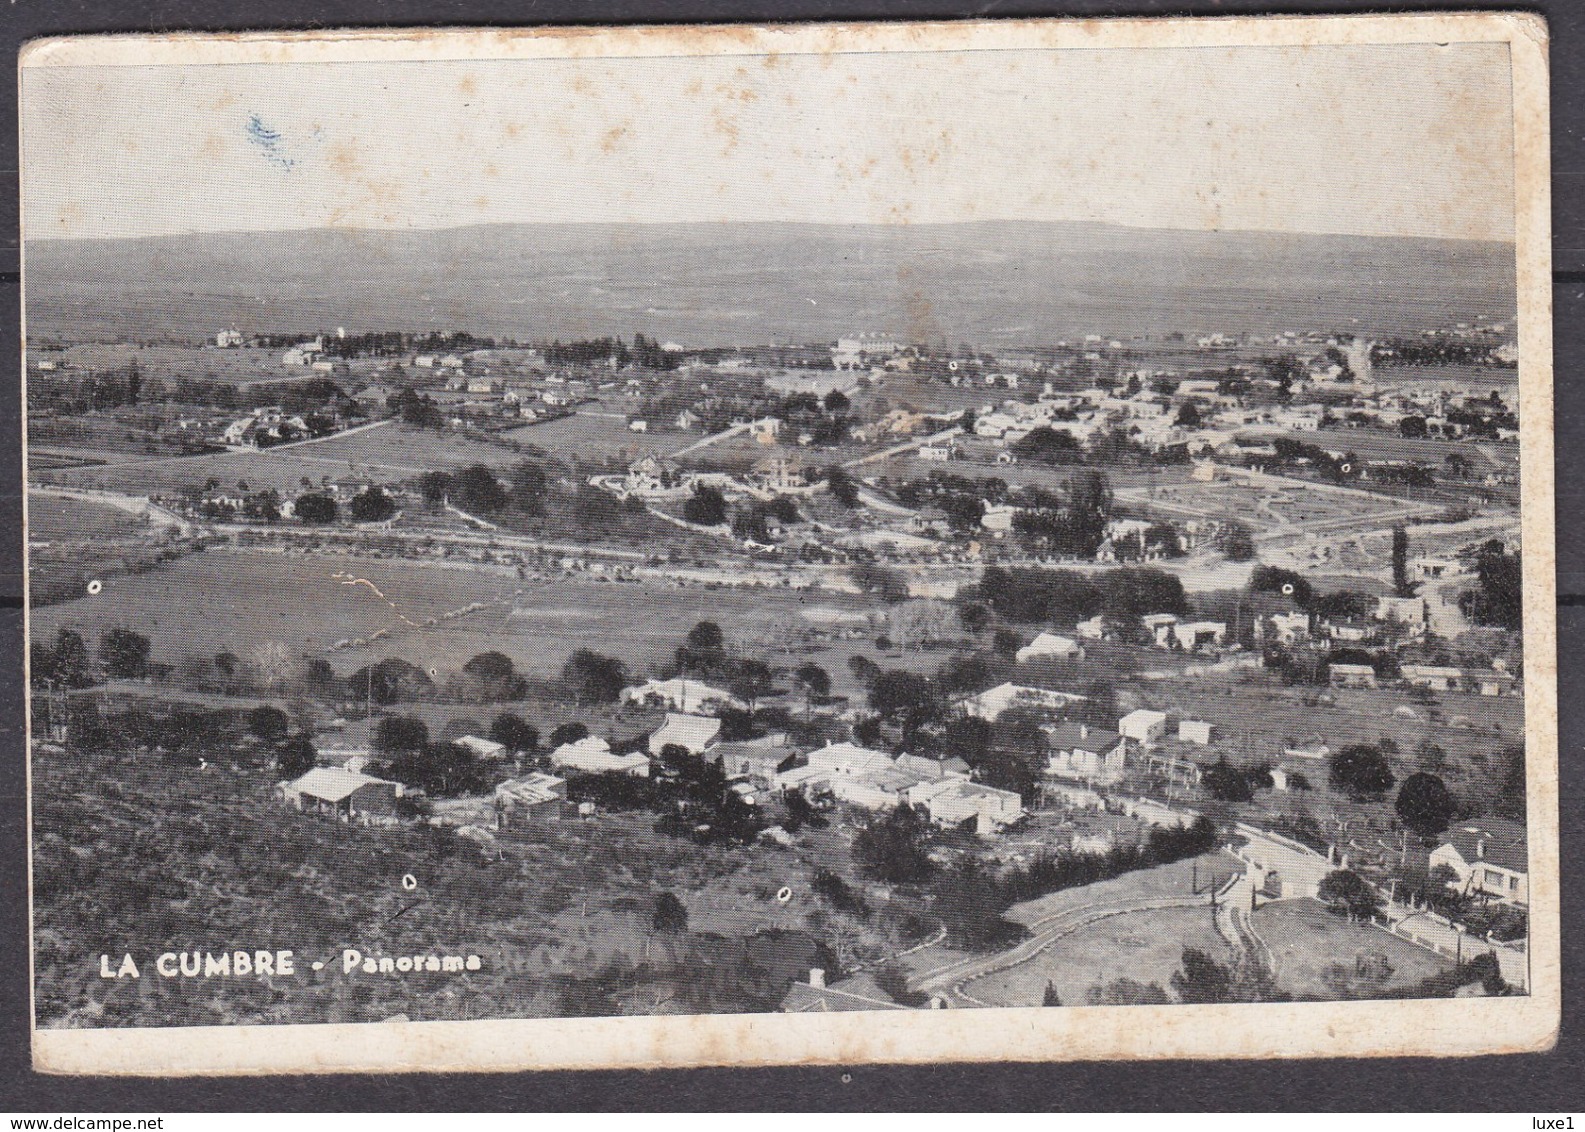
(1027, 534)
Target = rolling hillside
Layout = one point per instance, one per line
(989, 283)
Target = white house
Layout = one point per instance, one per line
(693, 697)
(1193, 636)
(1194, 731)
(1436, 677)
(1491, 857)
(1143, 726)
(693, 733)
(1051, 646)
(853, 774)
(483, 748)
(1089, 754)
(592, 755)
(991, 703)
(1408, 611)
(954, 801)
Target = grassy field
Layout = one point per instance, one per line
(53, 519)
(1144, 946)
(1253, 720)
(225, 600)
(388, 454)
(598, 433)
(1307, 941)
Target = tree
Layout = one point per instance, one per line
(567, 733)
(1050, 997)
(1347, 893)
(1510, 800)
(842, 487)
(1201, 979)
(267, 723)
(1412, 427)
(706, 507)
(495, 677)
(1237, 542)
(893, 847)
(750, 681)
(593, 678)
(885, 583)
(1361, 771)
(671, 915)
(1500, 599)
(315, 508)
(1425, 805)
(706, 637)
(435, 487)
(815, 681)
(124, 653)
(295, 758)
(837, 402)
(1225, 783)
(513, 733)
(530, 488)
(1188, 415)
(975, 616)
(476, 490)
(1127, 992)
(397, 734)
(1402, 586)
(371, 505)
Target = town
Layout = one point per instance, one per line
(841, 675)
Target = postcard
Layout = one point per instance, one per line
(808, 544)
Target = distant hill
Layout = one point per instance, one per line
(988, 283)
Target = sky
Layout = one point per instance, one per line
(1408, 140)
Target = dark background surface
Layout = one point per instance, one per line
(1538, 1083)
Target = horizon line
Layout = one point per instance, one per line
(389, 230)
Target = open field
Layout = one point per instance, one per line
(51, 519)
(1253, 720)
(1306, 941)
(1145, 946)
(596, 434)
(236, 600)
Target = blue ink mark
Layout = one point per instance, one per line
(269, 142)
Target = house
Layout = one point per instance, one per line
(229, 339)
(929, 521)
(345, 793)
(991, 703)
(1408, 611)
(1093, 629)
(1159, 626)
(531, 800)
(1426, 568)
(756, 760)
(859, 775)
(1051, 646)
(938, 768)
(998, 518)
(688, 420)
(861, 992)
(593, 755)
(1194, 731)
(1088, 754)
(1143, 726)
(1314, 748)
(679, 694)
(1197, 635)
(637, 426)
(482, 748)
(936, 453)
(1491, 857)
(957, 801)
(1351, 676)
(1436, 677)
(693, 733)
(1492, 682)
(1285, 628)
